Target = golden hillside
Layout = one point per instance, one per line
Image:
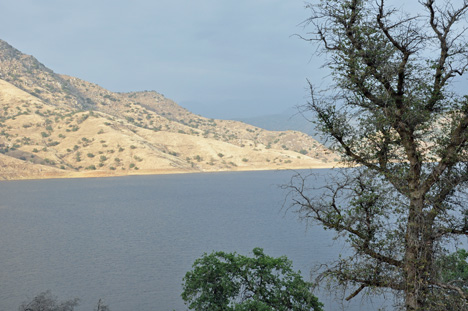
(58, 126)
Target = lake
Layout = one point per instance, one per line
(130, 240)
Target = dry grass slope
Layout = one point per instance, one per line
(58, 126)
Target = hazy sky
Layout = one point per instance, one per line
(217, 58)
(221, 59)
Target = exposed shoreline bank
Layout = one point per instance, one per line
(106, 173)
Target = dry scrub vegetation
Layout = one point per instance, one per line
(58, 126)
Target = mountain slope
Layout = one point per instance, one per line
(291, 119)
(55, 125)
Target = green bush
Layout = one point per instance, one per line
(231, 282)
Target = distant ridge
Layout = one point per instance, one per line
(289, 120)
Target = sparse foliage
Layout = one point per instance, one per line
(453, 270)
(101, 306)
(394, 116)
(47, 302)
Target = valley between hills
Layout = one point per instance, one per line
(57, 126)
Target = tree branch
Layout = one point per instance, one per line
(356, 292)
(460, 291)
(351, 35)
(439, 79)
(457, 139)
(326, 218)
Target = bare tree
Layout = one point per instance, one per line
(101, 306)
(393, 114)
(45, 301)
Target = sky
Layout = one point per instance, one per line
(217, 58)
(220, 59)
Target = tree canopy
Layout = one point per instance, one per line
(228, 281)
(393, 113)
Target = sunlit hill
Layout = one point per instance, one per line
(53, 125)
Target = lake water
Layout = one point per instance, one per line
(130, 240)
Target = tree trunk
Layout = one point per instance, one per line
(418, 258)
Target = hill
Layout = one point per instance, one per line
(54, 125)
(290, 119)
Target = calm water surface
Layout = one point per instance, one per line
(130, 240)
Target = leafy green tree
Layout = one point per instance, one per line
(393, 114)
(228, 281)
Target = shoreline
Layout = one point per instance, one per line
(106, 173)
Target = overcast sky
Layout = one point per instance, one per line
(222, 59)
(217, 58)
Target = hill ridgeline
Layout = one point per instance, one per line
(53, 125)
